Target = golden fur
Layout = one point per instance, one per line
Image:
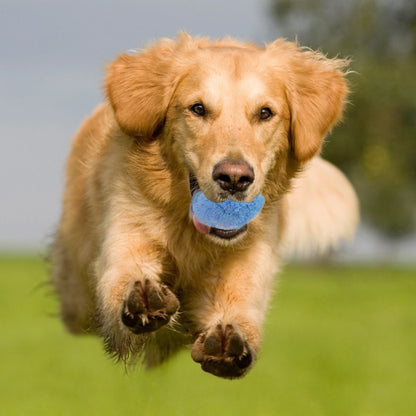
(127, 261)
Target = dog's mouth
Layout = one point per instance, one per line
(205, 229)
(218, 232)
(193, 184)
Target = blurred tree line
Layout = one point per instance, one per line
(376, 144)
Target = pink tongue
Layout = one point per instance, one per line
(202, 228)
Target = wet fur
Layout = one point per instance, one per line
(126, 203)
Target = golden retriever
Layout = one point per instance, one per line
(128, 261)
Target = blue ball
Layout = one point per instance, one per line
(227, 215)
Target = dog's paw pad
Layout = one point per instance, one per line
(223, 352)
(148, 306)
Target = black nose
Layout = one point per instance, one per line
(233, 176)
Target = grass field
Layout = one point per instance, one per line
(338, 341)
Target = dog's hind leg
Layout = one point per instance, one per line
(76, 300)
(163, 344)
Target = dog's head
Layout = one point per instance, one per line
(232, 114)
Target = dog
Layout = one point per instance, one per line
(130, 264)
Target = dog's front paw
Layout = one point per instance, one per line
(148, 306)
(223, 352)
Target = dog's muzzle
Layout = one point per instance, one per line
(206, 229)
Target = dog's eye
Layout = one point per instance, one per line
(266, 113)
(198, 109)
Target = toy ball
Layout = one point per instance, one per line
(226, 215)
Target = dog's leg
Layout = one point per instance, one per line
(132, 299)
(230, 313)
(71, 284)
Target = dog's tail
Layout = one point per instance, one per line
(322, 211)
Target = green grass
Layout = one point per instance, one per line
(338, 341)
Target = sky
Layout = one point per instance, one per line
(53, 55)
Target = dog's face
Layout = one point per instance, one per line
(227, 121)
(231, 114)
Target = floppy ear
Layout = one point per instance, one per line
(316, 91)
(139, 88)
